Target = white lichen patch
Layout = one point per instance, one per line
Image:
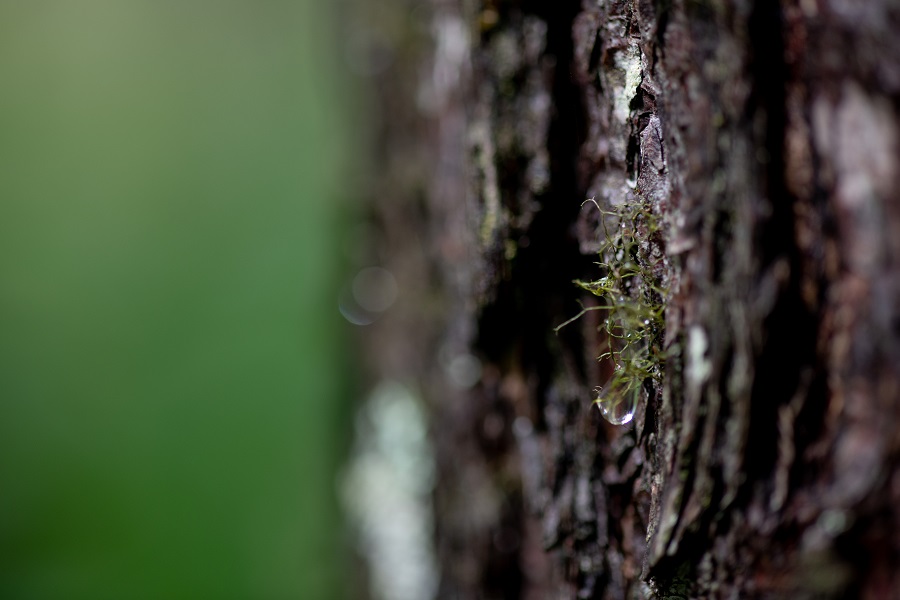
(698, 367)
(386, 492)
(629, 61)
(490, 190)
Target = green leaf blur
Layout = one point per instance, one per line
(169, 347)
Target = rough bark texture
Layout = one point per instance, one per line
(764, 137)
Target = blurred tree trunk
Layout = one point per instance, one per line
(764, 137)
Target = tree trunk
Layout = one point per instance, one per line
(762, 139)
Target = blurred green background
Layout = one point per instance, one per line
(172, 380)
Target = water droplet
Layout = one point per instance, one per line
(372, 291)
(463, 371)
(375, 289)
(618, 407)
(646, 321)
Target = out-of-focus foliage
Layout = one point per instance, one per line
(170, 394)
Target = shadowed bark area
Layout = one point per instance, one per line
(763, 139)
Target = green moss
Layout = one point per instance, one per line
(634, 306)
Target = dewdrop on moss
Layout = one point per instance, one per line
(618, 407)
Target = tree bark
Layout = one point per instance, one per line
(763, 137)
